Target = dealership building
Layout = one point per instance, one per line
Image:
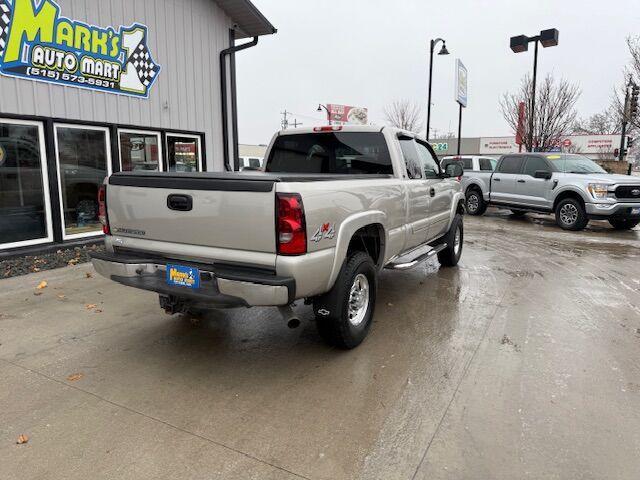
(90, 88)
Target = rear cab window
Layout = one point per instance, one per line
(350, 153)
(466, 162)
(511, 164)
(487, 164)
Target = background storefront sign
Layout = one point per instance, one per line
(38, 43)
(440, 146)
(586, 144)
(461, 83)
(346, 114)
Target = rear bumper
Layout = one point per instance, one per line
(611, 210)
(226, 286)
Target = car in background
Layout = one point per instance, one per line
(471, 163)
(573, 187)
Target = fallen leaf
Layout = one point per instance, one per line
(75, 377)
(98, 311)
(42, 284)
(72, 262)
(37, 294)
(89, 275)
(62, 297)
(90, 306)
(22, 439)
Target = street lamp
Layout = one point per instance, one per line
(519, 44)
(320, 107)
(443, 51)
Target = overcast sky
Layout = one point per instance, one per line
(369, 52)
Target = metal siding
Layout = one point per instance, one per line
(185, 38)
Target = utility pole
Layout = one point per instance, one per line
(285, 121)
(296, 123)
(630, 111)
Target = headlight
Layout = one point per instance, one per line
(598, 190)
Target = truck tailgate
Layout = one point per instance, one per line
(229, 210)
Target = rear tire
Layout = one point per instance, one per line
(518, 213)
(450, 256)
(623, 223)
(570, 215)
(474, 203)
(344, 315)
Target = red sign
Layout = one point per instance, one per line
(347, 114)
(566, 143)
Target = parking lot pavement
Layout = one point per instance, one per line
(521, 363)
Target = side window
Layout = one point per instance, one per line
(487, 165)
(467, 163)
(411, 158)
(533, 164)
(429, 163)
(511, 164)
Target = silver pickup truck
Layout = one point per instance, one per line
(572, 186)
(331, 208)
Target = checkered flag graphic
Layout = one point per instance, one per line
(5, 21)
(144, 66)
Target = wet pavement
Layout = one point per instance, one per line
(521, 363)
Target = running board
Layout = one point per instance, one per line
(416, 257)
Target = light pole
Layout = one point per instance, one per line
(320, 107)
(520, 43)
(443, 51)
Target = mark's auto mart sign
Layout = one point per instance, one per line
(38, 43)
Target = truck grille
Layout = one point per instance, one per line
(628, 192)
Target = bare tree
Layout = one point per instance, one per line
(404, 114)
(631, 72)
(555, 111)
(603, 123)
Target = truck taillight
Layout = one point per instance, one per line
(330, 128)
(102, 210)
(291, 225)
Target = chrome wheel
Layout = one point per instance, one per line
(358, 299)
(473, 203)
(569, 214)
(457, 242)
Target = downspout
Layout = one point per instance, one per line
(224, 98)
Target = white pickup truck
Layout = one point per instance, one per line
(331, 208)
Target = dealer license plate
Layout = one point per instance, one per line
(182, 276)
(635, 211)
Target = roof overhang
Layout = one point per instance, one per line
(249, 20)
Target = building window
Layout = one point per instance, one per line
(183, 153)
(25, 210)
(140, 151)
(84, 160)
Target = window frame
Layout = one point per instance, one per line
(434, 157)
(149, 132)
(96, 233)
(178, 135)
(44, 172)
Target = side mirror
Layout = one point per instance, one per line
(544, 174)
(454, 170)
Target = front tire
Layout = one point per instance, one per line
(571, 215)
(623, 223)
(450, 256)
(344, 315)
(474, 203)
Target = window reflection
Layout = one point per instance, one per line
(23, 214)
(139, 151)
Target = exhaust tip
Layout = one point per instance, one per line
(293, 323)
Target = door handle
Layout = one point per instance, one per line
(432, 192)
(180, 203)
(496, 179)
(521, 181)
